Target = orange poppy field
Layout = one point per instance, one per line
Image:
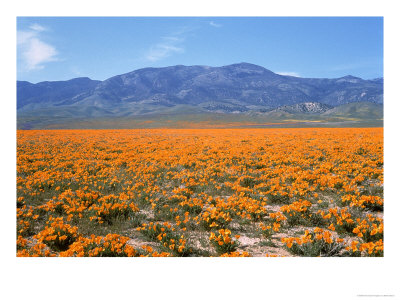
(200, 192)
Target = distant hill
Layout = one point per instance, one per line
(31, 96)
(307, 107)
(234, 89)
(363, 110)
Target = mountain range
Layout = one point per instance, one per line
(234, 89)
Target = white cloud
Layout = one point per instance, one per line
(212, 23)
(38, 53)
(161, 51)
(168, 46)
(33, 52)
(23, 37)
(37, 27)
(294, 74)
(172, 39)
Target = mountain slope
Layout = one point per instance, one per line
(363, 110)
(306, 107)
(31, 96)
(237, 87)
(242, 88)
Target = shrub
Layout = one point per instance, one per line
(57, 235)
(223, 242)
(317, 243)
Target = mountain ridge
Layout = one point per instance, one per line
(236, 88)
(247, 83)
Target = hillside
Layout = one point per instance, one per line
(180, 90)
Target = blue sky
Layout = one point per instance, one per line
(61, 48)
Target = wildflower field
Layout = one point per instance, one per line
(200, 192)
